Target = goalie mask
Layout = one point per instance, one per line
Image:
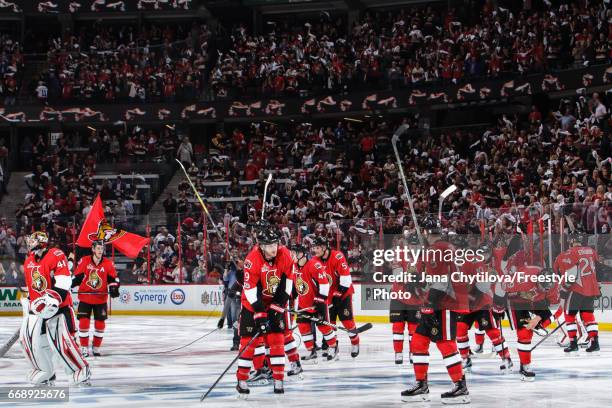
(37, 242)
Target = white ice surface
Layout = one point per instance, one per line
(372, 380)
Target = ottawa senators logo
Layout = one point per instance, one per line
(106, 232)
(39, 283)
(272, 283)
(301, 286)
(94, 280)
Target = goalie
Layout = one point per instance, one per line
(48, 328)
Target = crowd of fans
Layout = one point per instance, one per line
(11, 68)
(412, 46)
(342, 181)
(160, 63)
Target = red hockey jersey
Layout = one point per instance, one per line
(579, 262)
(41, 275)
(262, 278)
(95, 280)
(337, 269)
(311, 281)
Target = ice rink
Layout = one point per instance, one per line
(122, 378)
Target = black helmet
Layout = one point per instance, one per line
(267, 235)
(577, 237)
(430, 223)
(549, 283)
(299, 248)
(486, 250)
(260, 225)
(320, 240)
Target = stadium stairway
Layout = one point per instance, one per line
(17, 190)
(157, 214)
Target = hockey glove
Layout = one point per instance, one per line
(320, 308)
(261, 322)
(113, 289)
(47, 305)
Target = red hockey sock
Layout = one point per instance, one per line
(558, 313)
(498, 341)
(277, 355)
(245, 360)
(291, 347)
(524, 345)
(570, 325)
(411, 329)
(590, 324)
(306, 333)
(463, 341)
(420, 356)
(259, 353)
(398, 336)
(329, 335)
(84, 331)
(479, 334)
(452, 361)
(350, 325)
(99, 326)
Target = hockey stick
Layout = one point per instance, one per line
(450, 190)
(357, 330)
(230, 365)
(399, 131)
(263, 207)
(7, 346)
(547, 336)
(195, 191)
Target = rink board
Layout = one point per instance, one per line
(206, 300)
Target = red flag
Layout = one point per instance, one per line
(96, 227)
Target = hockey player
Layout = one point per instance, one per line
(481, 302)
(268, 283)
(341, 287)
(96, 277)
(404, 313)
(312, 286)
(48, 326)
(527, 302)
(579, 264)
(438, 324)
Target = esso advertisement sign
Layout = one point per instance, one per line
(177, 296)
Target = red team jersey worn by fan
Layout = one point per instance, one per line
(579, 262)
(308, 279)
(94, 287)
(335, 267)
(265, 276)
(40, 275)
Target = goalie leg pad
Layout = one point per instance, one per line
(66, 349)
(36, 350)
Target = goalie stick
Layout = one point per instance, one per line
(7, 346)
(357, 330)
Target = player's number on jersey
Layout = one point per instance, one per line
(62, 264)
(586, 266)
